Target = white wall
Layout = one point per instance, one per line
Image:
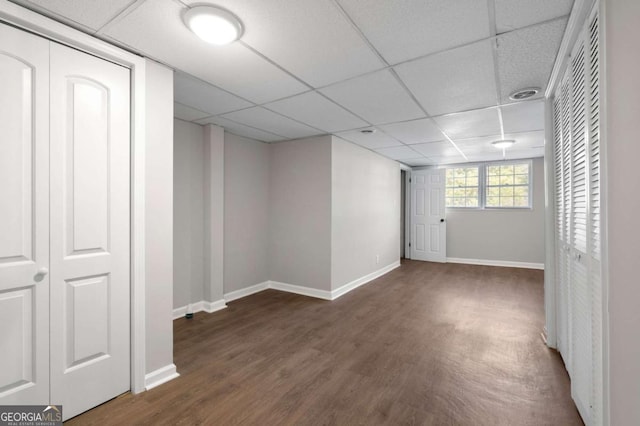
(500, 235)
(188, 213)
(365, 212)
(159, 217)
(246, 208)
(300, 212)
(622, 108)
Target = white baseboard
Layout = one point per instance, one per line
(503, 263)
(305, 291)
(160, 376)
(289, 288)
(200, 306)
(363, 280)
(211, 307)
(244, 292)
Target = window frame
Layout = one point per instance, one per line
(482, 184)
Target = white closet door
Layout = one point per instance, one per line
(594, 217)
(89, 230)
(24, 218)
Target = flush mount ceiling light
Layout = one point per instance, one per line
(526, 93)
(503, 143)
(213, 25)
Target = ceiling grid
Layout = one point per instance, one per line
(431, 78)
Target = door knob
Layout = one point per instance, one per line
(40, 274)
(441, 220)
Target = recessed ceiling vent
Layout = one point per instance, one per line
(527, 93)
(367, 131)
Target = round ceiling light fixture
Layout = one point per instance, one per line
(213, 25)
(503, 143)
(526, 93)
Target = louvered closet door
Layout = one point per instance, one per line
(576, 127)
(581, 350)
(594, 228)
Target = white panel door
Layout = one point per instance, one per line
(24, 218)
(428, 225)
(89, 230)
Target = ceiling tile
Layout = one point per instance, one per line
(269, 121)
(456, 80)
(402, 30)
(470, 124)
(449, 159)
(205, 97)
(417, 162)
(376, 97)
(186, 113)
(526, 57)
(398, 152)
(436, 149)
(91, 14)
(317, 111)
(156, 29)
(527, 140)
(415, 131)
(523, 116)
(514, 14)
(309, 38)
(374, 140)
(242, 130)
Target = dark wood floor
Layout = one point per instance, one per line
(436, 344)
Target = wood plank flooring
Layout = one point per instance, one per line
(433, 344)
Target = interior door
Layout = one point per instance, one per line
(89, 230)
(24, 218)
(428, 225)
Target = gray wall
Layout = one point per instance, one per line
(214, 213)
(188, 231)
(500, 235)
(246, 207)
(365, 212)
(300, 212)
(159, 217)
(622, 104)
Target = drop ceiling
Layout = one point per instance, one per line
(431, 78)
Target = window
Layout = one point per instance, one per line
(508, 185)
(490, 185)
(463, 184)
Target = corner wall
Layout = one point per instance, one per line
(159, 223)
(621, 33)
(300, 213)
(246, 212)
(188, 213)
(365, 213)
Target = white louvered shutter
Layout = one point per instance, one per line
(594, 230)
(578, 242)
(581, 350)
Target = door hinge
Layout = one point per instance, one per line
(409, 180)
(409, 244)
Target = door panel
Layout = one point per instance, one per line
(89, 230)
(24, 218)
(428, 229)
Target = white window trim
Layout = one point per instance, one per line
(482, 184)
